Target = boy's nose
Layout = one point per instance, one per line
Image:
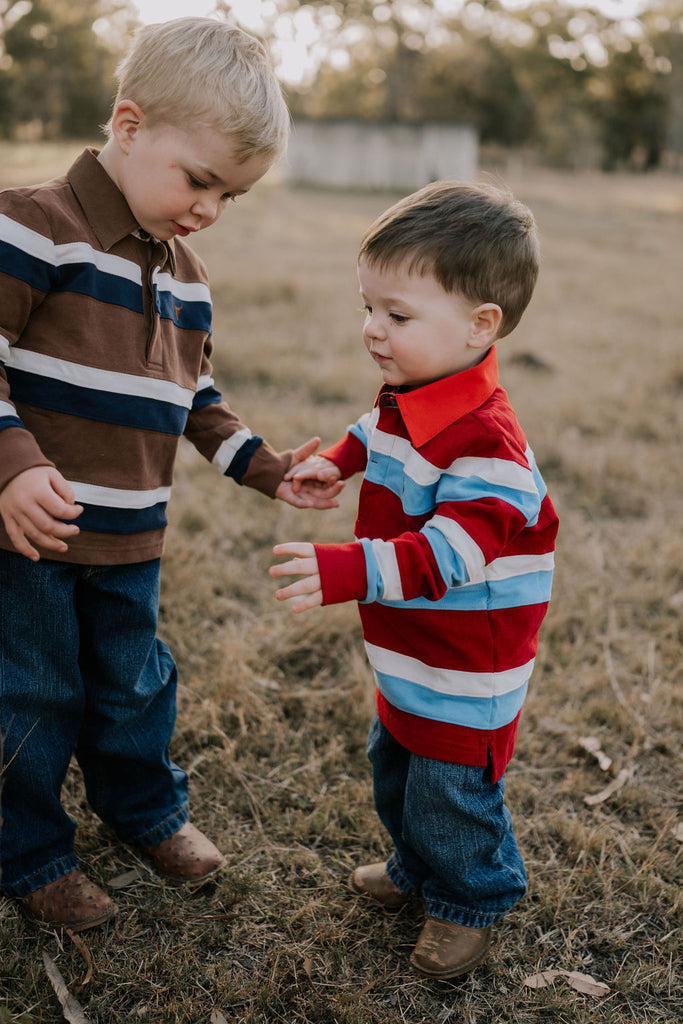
(373, 328)
(207, 208)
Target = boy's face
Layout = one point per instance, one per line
(178, 182)
(415, 331)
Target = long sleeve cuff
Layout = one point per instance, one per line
(349, 455)
(266, 469)
(343, 575)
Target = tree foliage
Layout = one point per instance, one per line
(56, 64)
(577, 85)
(571, 82)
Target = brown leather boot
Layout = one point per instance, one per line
(187, 856)
(446, 950)
(72, 901)
(373, 880)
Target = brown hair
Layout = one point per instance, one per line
(476, 240)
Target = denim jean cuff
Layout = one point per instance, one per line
(399, 878)
(37, 879)
(168, 827)
(462, 915)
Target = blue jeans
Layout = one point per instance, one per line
(452, 833)
(82, 673)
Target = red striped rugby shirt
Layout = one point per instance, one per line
(452, 565)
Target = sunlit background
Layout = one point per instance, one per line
(297, 42)
(570, 84)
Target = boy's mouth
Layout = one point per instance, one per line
(179, 229)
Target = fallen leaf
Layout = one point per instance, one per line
(677, 831)
(541, 980)
(127, 878)
(580, 982)
(217, 1018)
(615, 785)
(71, 1008)
(586, 984)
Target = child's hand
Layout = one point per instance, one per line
(312, 491)
(32, 505)
(315, 467)
(305, 564)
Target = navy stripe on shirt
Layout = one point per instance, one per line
(82, 278)
(103, 519)
(103, 406)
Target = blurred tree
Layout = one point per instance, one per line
(56, 64)
(578, 85)
(393, 35)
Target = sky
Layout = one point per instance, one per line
(164, 10)
(293, 55)
(245, 10)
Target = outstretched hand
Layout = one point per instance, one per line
(311, 492)
(305, 564)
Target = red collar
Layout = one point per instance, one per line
(428, 410)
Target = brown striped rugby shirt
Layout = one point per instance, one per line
(105, 345)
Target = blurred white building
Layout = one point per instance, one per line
(360, 154)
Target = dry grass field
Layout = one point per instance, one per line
(274, 708)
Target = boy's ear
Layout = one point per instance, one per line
(486, 320)
(126, 121)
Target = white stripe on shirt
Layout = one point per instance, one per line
(448, 681)
(498, 472)
(94, 379)
(189, 291)
(459, 539)
(229, 448)
(385, 554)
(508, 566)
(115, 497)
(42, 248)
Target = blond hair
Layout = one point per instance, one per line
(477, 241)
(202, 73)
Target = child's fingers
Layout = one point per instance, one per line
(307, 585)
(301, 453)
(20, 540)
(311, 601)
(302, 548)
(304, 594)
(48, 533)
(297, 567)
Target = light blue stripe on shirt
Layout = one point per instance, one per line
(476, 712)
(531, 588)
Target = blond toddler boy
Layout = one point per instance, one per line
(105, 346)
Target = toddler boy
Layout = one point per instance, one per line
(453, 560)
(105, 345)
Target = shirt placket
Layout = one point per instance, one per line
(158, 256)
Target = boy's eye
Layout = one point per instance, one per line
(399, 318)
(199, 184)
